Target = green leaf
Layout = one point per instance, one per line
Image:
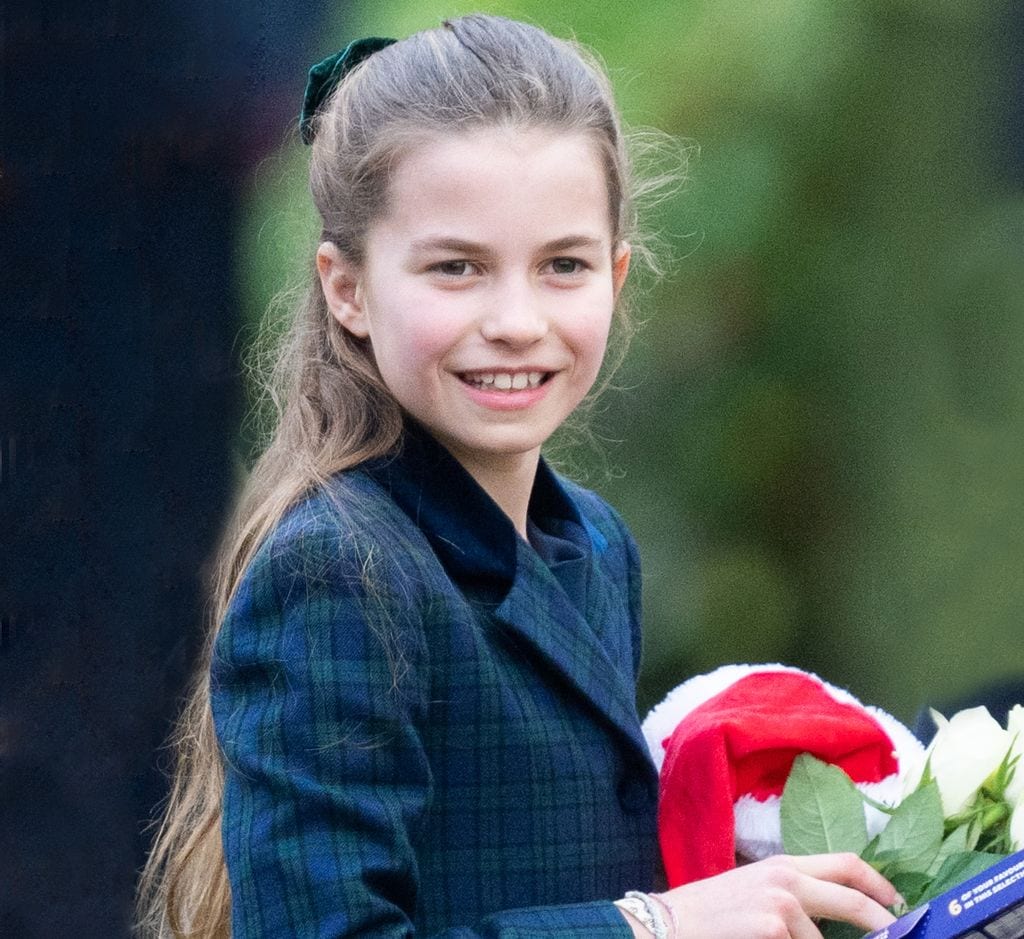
(869, 853)
(995, 785)
(954, 843)
(926, 774)
(881, 806)
(832, 929)
(913, 836)
(821, 810)
(1009, 767)
(911, 885)
(973, 834)
(959, 867)
(887, 863)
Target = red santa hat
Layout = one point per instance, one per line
(725, 742)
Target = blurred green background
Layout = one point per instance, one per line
(817, 435)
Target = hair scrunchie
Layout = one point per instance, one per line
(325, 75)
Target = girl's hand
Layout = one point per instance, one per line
(780, 897)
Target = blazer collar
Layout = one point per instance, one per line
(480, 547)
(475, 540)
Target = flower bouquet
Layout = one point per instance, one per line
(757, 760)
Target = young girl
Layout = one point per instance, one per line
(417, 715)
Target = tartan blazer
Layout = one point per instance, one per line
(423, 730)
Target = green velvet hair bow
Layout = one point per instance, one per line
(325, 75)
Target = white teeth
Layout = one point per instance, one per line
(505, 381)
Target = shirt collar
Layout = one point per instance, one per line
(474, 539)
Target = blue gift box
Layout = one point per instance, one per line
(987, 906)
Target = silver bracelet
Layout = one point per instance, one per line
(673, 926)
(646, 910)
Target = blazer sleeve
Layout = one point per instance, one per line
(319, 684)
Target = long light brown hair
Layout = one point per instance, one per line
(333, 410)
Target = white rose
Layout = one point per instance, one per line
(1017, 827)
(965, 751)
(1015, 728)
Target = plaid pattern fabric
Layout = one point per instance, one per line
(424, 733)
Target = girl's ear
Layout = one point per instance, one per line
(339, 280)
(620, 267)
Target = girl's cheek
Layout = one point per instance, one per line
(592, 326)
(438, 326)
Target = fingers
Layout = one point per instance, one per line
(848, 870)
(821, 898)
(779, 897)
(842, 887)
(788, 917)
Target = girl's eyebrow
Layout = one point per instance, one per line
(573, 242)
(445, 243)
(461, 246)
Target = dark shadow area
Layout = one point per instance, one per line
(127, 133)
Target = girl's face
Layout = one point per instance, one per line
(487, 289)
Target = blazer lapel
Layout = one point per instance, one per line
(537, 610)
(479, 548)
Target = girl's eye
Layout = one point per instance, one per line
(566, 266)
(455, 268)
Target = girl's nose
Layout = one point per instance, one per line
(515, 317)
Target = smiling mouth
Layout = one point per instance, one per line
(505, 381)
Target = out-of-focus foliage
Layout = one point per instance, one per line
(823, 418)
